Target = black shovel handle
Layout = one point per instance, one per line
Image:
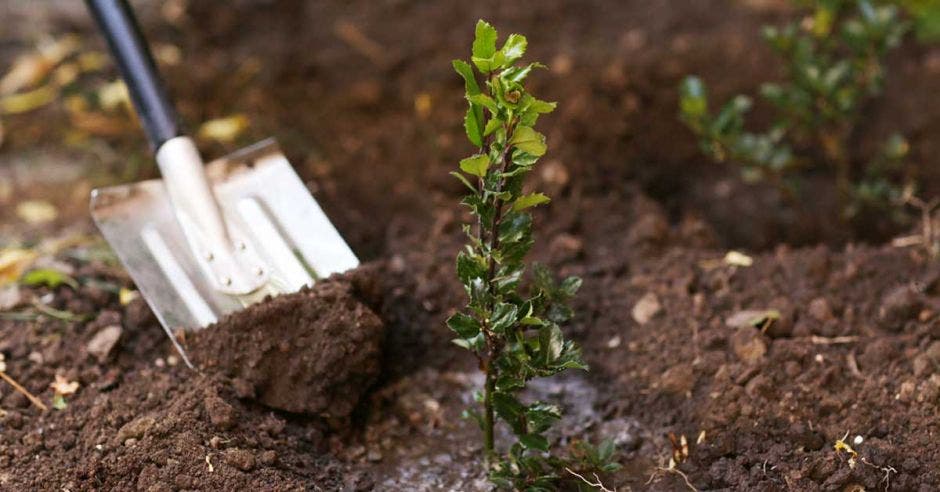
(129, 49)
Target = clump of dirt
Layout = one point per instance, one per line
(315, 351)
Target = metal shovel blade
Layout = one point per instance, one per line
(260, 195)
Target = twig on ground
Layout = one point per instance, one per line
(598, 484)
(660, 471)
(31, 397)
(818, 340)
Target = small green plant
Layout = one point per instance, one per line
(514, 330)
(835, 62)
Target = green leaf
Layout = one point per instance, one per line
(552, 343)
(463, 180)
(470, 81)
(514, 48)
(491, 126)
(530, 200)
(484, 42)
(469, 267)
(464, 325)
(504, 316)
(534, 441)
(487, 65)
(569, 286)
(476, 165)
(472, 123)
(693, 98)
(58, 402)
(485, 101)
(49, 277)
(529, 141)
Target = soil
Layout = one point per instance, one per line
(313, 352)
(829, 334)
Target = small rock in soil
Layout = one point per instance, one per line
(104, 341)
(820, 309)
(748, 345)
(268, 458)
(242, 459)
(221, 414)
(646, 308)
(898, 306)
(650, 229)
(135, 429)
(679, 379)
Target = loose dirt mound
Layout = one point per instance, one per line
(315, 351)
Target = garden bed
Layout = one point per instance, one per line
(761, 360)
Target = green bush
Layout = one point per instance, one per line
(835, 62)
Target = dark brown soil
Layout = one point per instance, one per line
(314, 352)
(636, 211)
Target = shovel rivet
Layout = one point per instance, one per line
(242, 246)
(226, 281)
(210, 256)
(259, 271)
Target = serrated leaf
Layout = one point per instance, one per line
(472, 123)
(464, 325)
(466, 72)
(534, 441)
(504, 316)
(530, 200)
(484, 42)
(491, 126)
(463, 180)
(476, 165)
(514, 48)
(552, 343)
(485, 101)
(529, 141)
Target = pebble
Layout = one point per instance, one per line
(104, 341)
(748, 345)
(906, 391)
(135, 428)
(268, 458)
(646, 308)
(242, 459)
(897, 307)
(820, 310)
(221, 414)
(679, 379)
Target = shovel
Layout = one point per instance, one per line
(206, 240)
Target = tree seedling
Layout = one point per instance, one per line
(835, 63)
(514, 330)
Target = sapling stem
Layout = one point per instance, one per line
(511, 326)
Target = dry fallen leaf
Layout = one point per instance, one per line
(27, 101)
(3, 363)
(113, 95)
(752, 318)
(224, 130)
(36, 211)
(125, 295)
(13, 262)
(737, 258)
(31, 68)
(62, 386)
